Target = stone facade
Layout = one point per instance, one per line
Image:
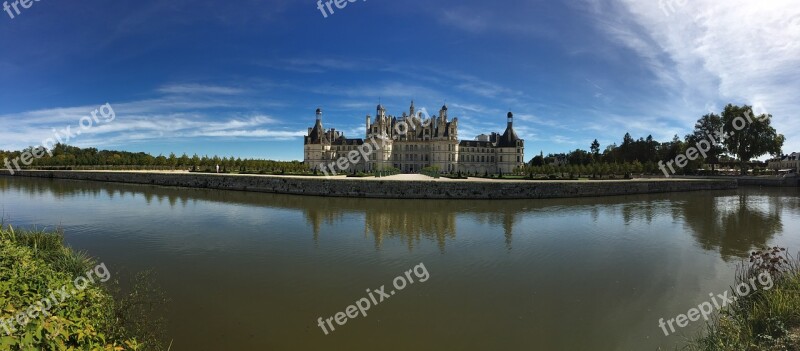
(411, 142)
(791, 161)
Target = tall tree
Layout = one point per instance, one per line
(595, 148)
(626, 149)
(704, 129)
(749, 136)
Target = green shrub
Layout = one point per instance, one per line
(34, 266)
(764, 319)
(432, 171)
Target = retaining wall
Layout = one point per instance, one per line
(399, 189)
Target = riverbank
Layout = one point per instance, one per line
(394, 187)
(765, 320)
(769, 181)
(53, 298)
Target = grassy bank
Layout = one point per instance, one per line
(36, 269)
(764, 320)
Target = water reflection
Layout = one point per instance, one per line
(536, 272)
(736, 224)
(730, 222)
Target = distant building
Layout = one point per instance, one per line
(421, 144)
(790, 161)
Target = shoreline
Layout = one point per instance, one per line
(393, 187)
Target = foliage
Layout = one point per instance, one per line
(33, 264)
(705, 128)
(432, 171)
(71, 157)
(764, 319)
(595, 148)
(642, 155)
(755, 139)
(383, 172)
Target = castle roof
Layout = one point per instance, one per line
(344, 141)
(317, 135)
(509, 138)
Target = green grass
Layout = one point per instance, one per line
(33, 265)
(764, 320)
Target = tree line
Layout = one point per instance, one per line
(65, 156)
(734, 137)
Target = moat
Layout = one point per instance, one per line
(254, 271)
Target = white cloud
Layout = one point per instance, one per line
(144, 120)
(708, 53)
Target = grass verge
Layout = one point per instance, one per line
(34, 267)
(766, 320)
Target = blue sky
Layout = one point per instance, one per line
(244, 77)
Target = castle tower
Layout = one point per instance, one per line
(381, 113)
(510, 148)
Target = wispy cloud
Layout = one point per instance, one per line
(159, 119)
(199, 89)
(707, 53)
(477, 19)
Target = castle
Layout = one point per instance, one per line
(410, 143)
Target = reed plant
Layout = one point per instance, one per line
(35, 263)
(764, 320)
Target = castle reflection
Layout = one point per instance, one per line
(731, 222)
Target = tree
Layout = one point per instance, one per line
(627, 148)
(172, 160)
(537, 161)
(671, 150)
(611, 153)
(580, 157)
(595, 148)
(705, 129)
(183, 160)
(749, 136)
(651, 150)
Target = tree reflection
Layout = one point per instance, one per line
(734, 224)
(731, 222)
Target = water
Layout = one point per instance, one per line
(249, 271)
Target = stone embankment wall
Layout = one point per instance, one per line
(769, 181)
(399, 189)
